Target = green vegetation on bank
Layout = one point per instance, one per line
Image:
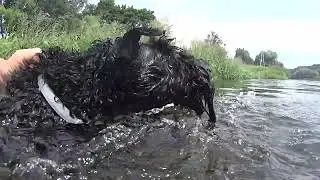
(261, 72)
(225, 68)
(44, 37)
(36, 25)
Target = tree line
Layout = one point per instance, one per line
(71, 11)
(264, 58)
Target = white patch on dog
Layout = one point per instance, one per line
(58, 106)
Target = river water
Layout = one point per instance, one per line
(266, 129)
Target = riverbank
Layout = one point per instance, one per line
(53, 35)
(226, 68)
(260, 72)
(306, 72)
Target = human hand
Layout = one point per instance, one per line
(16, 61)
(24, 56)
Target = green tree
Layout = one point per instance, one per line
(12, 17)
(78, 5)
(270, 58)
(54, 8)
(104, 7)
(110, 12)
(9, 3)
(214, 39)
(89, 10)
(134, 16)
(243, 55)
(61, 7)
(26, 6)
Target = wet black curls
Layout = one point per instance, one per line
(114, 77)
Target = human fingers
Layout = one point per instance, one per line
(32, 55)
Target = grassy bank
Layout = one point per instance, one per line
(260, 72)
(225, 68)
(46, 34)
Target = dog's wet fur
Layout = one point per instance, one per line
(114, 77)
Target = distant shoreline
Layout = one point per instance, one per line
(305, 72)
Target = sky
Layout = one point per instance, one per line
(289, 27)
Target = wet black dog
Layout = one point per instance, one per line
(113, 78)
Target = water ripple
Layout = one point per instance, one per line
(266, 129)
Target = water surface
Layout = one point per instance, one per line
(266, 129)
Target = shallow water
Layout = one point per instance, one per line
(266, 129)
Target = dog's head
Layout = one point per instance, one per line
(166, 70)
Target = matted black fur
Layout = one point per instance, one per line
(114, 78)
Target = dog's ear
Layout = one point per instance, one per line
(129, 44)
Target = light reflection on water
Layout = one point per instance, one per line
(266, 129)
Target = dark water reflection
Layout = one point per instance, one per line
(282, 117)
(266, 129)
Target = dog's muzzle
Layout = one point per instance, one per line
(55, 102)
